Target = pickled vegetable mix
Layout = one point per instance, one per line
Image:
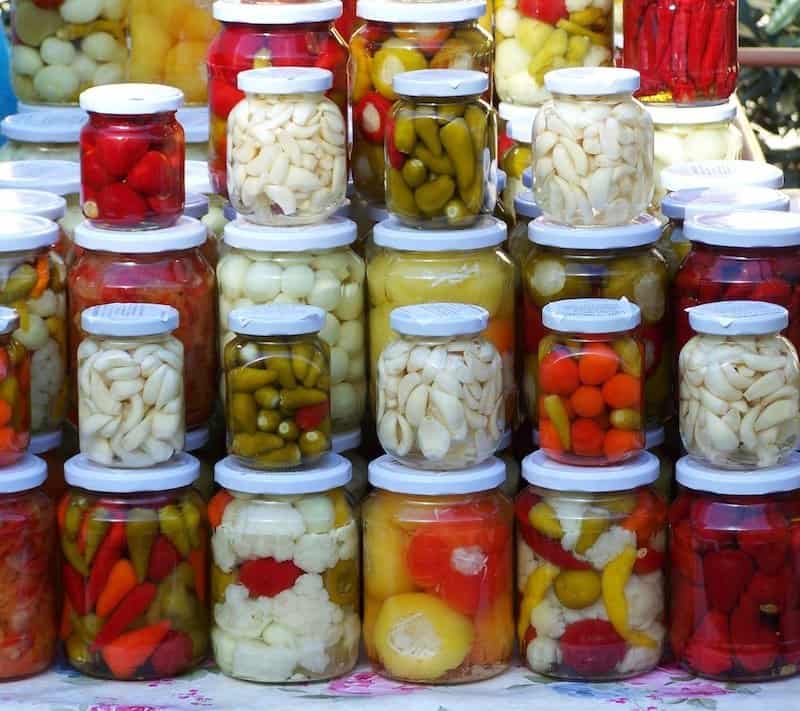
(15, 384)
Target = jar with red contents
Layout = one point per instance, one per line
(734, 547)
(268, 35)
(27, 568)
(15, 390)
(159, 267)
(743, 255)
(132, 156)
(686, 51)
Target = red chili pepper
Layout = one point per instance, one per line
(776, 291)
(755, 645)
(701, 19)
(152, 174)
(266, 577)
(592, 647)
(651, 561)
(549, 11)
(371, 114)
(119, 154)
(290, 49)
(714, 40)
(164, 558)
(119, 203)
(680, 41)
(135, 603)
(708, 649)
(551, 550)
(74, 588)
(767, 541)
(632, 29)
(504, 144)
(396, 158)
(222, 97)
(109, 552)
(665, 16)
(726, 575)
(647, 53)
(93, 172)
(173, 655)
(310, 417)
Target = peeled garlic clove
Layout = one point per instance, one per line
(417, 404)
(450, 412)
(775, 413)
(764, 386)
(153, 385)
(433, 439)
(407, 383)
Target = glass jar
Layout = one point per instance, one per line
(739, 386)
(505, 454)
(525, 211)
(440, 395)
(198, 206)
(194, 120)
(15, 388)
(136, 599)
(733, 576)
(401, 37)
(441, 151)
(255, 35)
(514, 151)
(655, 443)
(51, 134)
(165, 268)
(685, 52)
(568, 263)
(266, 265)
(287, 147)
(438, 550)
(592, 350)
(740, 255)
(720, 174)
(28, 567)
(38, 203)
(132, 156)
(347, 444)
(197, 444)
(591, 569)
(48, 447)
(285, 576)
(585, 175)
(277, 386)
(129, 363)
(366, 216)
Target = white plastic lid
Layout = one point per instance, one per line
(377, 213)
(527, 177)
(21, 232)
(525, 205)
(334, 232)
(33, 202)
(693, 474)
(512, 112)
(644, 229)
(195, 205)
(486, 232)
(276, 13)
(196, 177)
(194, 120)
(520, 129)
(505, 441)
(9, 320)
(330, 472)
(745, 228)
(195, 439)
(62, 177)
(181, 470)
(345, 441)
(440, 82)
(720, 173)
(439, 319)
(132, 319)
(538, 470)
(285, 80)
(592, 81)
(184, 234)
(683, 204)
(276, 320)
(691, 115)
(61, 125)
(387, 473)
(738, 318)
(420, 12)
(654, 437)
(591, 315)
(131, 99)
(45, 442)
(28, 473)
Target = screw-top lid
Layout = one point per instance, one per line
(738, 318)
(440, 82)
(520, 128)
(329, 472)
(439, 319)
(285, 80)
(276, 320)
(592, 81)
(276, 13)
(58, 125)
(591, 315)
(28, 473)
(486, 232)
(196, 177)
(693, 474)
(683, 204)
(129, 320)
(527, 177)
(691, 115)
(45, 442)
(194, 120)
(195, 439)
(20, 232)
(131, 99)
(525, 205)
(654, 437)
(9, 320)
(387, 473)
(37, 203)
(512, 113)
(538, 470)
(640, 231)
(184, 234)
(62, 177)
(345, 441)
(334, 232)
(195, 205)
(720, 173)
(745, 228)
(420, 12)
(179, 471)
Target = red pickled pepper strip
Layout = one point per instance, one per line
(74, 588)
(679, 49)
(135, 603)
(714, 46)
(662, 30)
(109, 552)
(551, 550)
(701, 19)
(632, 26)
(647, 53)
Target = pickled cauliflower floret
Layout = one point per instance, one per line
(308, 612)
(347, 540)
(645, 597)
(316, 552)
(47, 378)
(241, 616)
(548, 617)
(639, 658)
(570, 515)
(595, 611)
(317, 512)
(543, 653)
(609, 545)
(526, 563)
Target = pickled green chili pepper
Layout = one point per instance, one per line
(402, 199)
(244, 412)
(288, 429)
(172, 526)
(301, 397)
(476, 121)
(73, 556)
(250, 445)
(302, 353)
(268, 420)
(287, 456)
(448, 112)
(19, 285)
(456, 211)
(192, 520)
(314, 371)
(313, 443)
(405, 135)
(248, 380)
(141, 529)
(441, 165)
(458, 144)
(428, 131)
(96, 529)
(414, 172)
(268, 398)
(433, 196)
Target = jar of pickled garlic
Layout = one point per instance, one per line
(740, 255)
(592, 351)
(50, 134)
(686, 52)
(440, 395)
(403, 37)
(438, 550)
(277, 386)
(569, 263)
(285, 575)
(441, 152)
(739, 386)
(525, 211)
(198, 444)
(347, 444)
(467, 266)
(505, 454)
(48, 447)
(287, 147)
(593, 148)
(130, 363)
(157, 267)
(255, 35)
(280, 265)
(591, 568)
(720, 174)
(132, 156)
(514, 151)
(136, 602)
(655, 443)
(733, 575)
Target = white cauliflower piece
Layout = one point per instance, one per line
(510, 55)
(347, 540)
(241, 616)
(259, 530)
(604, 5)
(222, 547)
(609, 545)
(526, 563)
(570, 515)
(307, 611)
(548, 617)
(506, 20)
(46, 305)
(522, 88)
(595, 611)
(317, 512)
(645, 597)
(278, 635)
(47, 377)
(316, 552)
(577, 5)
(638, 659)
(224, 647)
(597, 56)
(260, 662)
(312, 655)
(543, 653)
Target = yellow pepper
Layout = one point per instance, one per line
(457, 141)
(544, 519)
(360, 66)
(536, 587)
(558, 416)
(576, 29)
(615, 576)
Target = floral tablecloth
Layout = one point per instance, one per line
(63, 689)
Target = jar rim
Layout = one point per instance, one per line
(440, 83)
(745, 228)
(62, 125)
(178, 472)
(682, 204)
(131, 99)
(276, 320)
(539, 470)
(20, 232)
(38, 203)
(592, 81)
(345, 441)
(329, 472)
(285, 80)
(719, 173)
(692, 115)
(387, 473)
